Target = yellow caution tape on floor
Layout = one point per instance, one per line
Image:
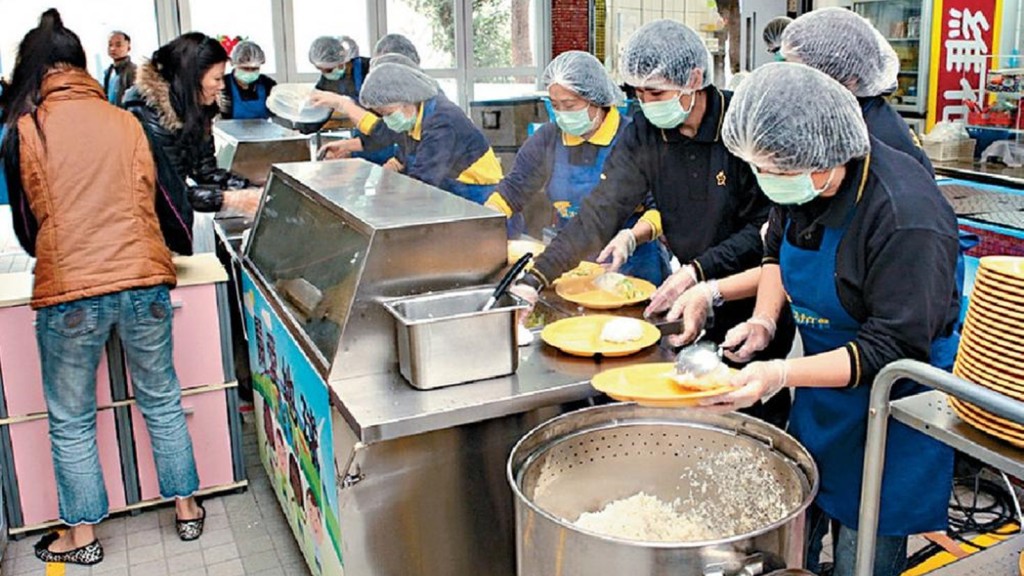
(55, 569)
(943, 558)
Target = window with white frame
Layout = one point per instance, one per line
(247, 19)
(92, 20)
(477, 49)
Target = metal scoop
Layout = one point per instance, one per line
(698, 358)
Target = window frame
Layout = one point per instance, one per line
(174, 17)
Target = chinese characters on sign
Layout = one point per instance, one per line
(966, 41)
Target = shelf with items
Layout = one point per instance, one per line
(905, 25)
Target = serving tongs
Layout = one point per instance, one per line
(513, 275)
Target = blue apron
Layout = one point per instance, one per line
(570, 184)
(832, 423)
(249, 109)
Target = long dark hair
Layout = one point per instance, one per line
(182, 63)
(44, 47)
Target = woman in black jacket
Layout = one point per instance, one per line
(175, 97)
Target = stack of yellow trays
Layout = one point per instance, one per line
(992, 344)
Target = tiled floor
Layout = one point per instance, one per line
(246, 534)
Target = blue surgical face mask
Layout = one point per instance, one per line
(335, 75)
(399, 122)
(667, 114)
(575, 122)
(790, 189)
(247, 77)
(778, 56)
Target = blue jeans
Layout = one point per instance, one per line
(71, 340)
(890, 551)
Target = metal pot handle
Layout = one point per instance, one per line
(752, 565)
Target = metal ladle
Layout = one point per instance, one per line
(698, 358)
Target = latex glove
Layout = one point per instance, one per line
(394, 165)
(330, 99)
(246, 201)
(694, 307)
(340, 148)
(759, 381)
(529, 295)
(618, 250)
(748, 338)
(671, 289)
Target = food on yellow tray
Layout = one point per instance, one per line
(619, 285)
(622, 330)
(718, 378)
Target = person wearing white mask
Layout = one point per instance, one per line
(342, 70)
(711, 208)
(565, 158)
(856, 223)
(245, 89)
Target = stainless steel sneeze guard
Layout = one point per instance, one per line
(249, 147)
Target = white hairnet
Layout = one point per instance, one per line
(773, 32)
(845, 46)
(332, 51)
(737, 79)
(393, 58)
(397, 44)
(247, 53)
(665, 55)
(391, 83)
(583, 74)
(791, 117)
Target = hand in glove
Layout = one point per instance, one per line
(394, 165)
(671, 289)
(329, 99)
(529, 295)
(694, 307)
(758, 381)
(618, 250)
(748, 338)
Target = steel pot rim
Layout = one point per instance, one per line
(511, 473)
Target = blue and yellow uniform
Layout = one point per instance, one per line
(446, 150)
(568, 168)
(248, 103)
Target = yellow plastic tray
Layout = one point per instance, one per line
(652, 385)
(581, 336)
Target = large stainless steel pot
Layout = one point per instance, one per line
(581, 461)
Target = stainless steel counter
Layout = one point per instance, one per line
(986, 172)
(384, 406)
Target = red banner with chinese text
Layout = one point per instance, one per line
(965, 34)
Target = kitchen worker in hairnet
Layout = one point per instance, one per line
(772, 34)
(857, 223)
(565, 158)
(245, 89)
(342, 70)
(848, 48)
(711, 208)
(396, 44)
(375, 141)
(442, 147)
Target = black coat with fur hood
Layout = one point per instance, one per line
(176, 160)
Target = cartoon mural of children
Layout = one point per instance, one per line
(281, 450)
(314, 523)
(268, 432)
